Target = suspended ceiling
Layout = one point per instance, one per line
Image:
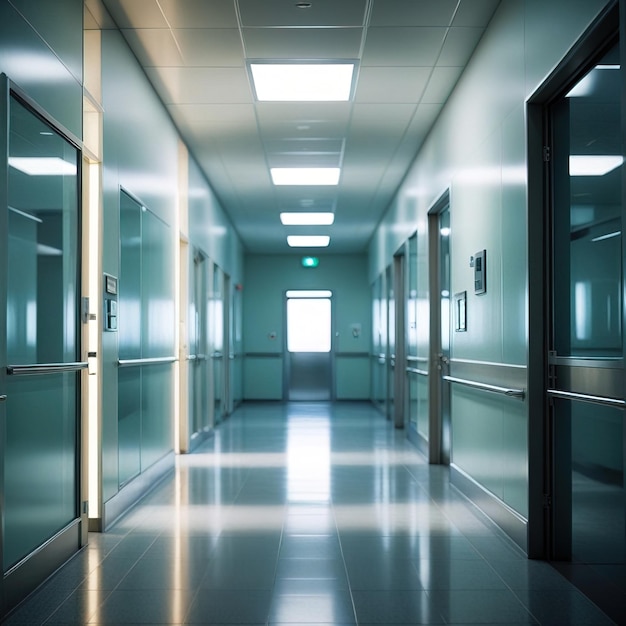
(409, 55)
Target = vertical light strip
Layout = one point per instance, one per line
(94, 440)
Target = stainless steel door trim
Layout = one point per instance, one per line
(583, 397)
(574, 361)
(415, 370)
(153, 361)
(503, 375)
(511, 393)
(45, 368)
(417, 359)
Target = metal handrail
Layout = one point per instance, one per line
(505, 391)
(415, 370)
(152, 361)
(46, 368)
(583, 397)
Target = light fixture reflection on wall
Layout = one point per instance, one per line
(305, 175)
(308, 241)
(593, 164)
(43, 166)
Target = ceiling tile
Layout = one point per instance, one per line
(210, 47)
(154, 47)
(139, 13)
(403, 47)
(475, 12)
(214, 113)
(413, 13)
(378, 120)
(285, 13)
(325, 119)
(302, 43)
(307, 145)
(391, 84)
(200, 85)
(441, 84)
(459, 46)
(199, 13)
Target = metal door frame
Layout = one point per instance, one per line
(436, 385)
(541, 445)
(33, 569)
(400, 277)
(331, 354)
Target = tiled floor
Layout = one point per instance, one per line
(305, 514)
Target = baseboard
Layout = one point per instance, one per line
(135, 490)
(418, 440)
(511, 522)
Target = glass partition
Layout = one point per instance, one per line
(42, 290)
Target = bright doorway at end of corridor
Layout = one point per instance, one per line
(308, 356)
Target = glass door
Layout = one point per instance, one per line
(199, 348)
(216, 339)
(390, 303)
(586, 368)
(309, 344)
(41, 357)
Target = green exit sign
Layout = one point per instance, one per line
(310, 261)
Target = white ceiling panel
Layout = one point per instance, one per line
(305, 43)
(391, 84)
(320, 13)
(214, 113)
(154, 47)
(459, 45)
(413, 13)
(136, 13)
(441, 84)
(195, 85)
(475, 12)
(199, 13)
(217, 47)
(410, 54)
(403, 46)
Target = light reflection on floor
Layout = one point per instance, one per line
(305, 514)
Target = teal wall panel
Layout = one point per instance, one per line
(60, 25)
(46, 63)
(209, 227)
(145, 164)
(267, 277)
(263, 378)
(477, 150)
(352, 375)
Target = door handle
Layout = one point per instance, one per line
(2, 398)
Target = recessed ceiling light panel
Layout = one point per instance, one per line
(308, 241)
(302, 82)
(307, 219)
(305, 175)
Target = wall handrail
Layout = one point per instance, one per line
(415, 370)
(584, 397)
(46, 368)
(505, 391)
(148, 361)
